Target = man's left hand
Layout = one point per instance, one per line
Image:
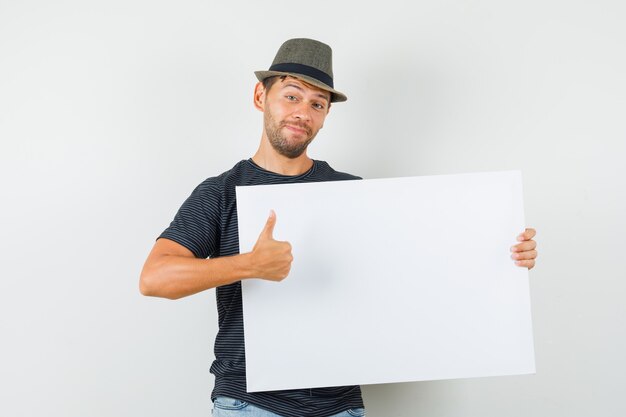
(524, 253)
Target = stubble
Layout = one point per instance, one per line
(289, 148)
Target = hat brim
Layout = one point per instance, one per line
(335, 96)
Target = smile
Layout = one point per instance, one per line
(296, 129)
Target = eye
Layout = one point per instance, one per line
(318, 106)
(291, 98)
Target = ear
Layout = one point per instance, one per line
(259, 97)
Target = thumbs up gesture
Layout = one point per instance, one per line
(271, 258)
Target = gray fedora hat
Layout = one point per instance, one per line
(306, 59)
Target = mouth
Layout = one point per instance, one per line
(297, 129)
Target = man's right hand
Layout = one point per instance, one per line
(173, 271)
(271, 258)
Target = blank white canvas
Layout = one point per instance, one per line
(393, 280)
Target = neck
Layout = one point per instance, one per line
(267, 158)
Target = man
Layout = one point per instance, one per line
(295, 96)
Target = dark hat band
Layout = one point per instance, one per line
(304, 70)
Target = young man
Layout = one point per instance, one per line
(295, 96)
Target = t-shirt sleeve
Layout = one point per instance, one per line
(196, 225)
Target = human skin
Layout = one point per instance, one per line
(172, 271)
(293, 110)
(293, 114)
(525, 253)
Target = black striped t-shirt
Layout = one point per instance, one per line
(206, 224)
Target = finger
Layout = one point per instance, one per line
(520, 256)
(268, 230)
(528, 234)
(526, 264)
(524, 246)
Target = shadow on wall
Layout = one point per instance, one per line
(435, 397)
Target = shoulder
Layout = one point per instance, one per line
(331, 174)
(224, 181)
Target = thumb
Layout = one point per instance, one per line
(268, 230)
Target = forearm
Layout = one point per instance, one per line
(174, 276)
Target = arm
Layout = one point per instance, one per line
(172, 271)
(525, 253)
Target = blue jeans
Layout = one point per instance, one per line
(229, 407)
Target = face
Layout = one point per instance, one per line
(293, 113)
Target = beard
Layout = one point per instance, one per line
(279, 141)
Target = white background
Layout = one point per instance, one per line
(111, 113)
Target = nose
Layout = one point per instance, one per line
(302, 111)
